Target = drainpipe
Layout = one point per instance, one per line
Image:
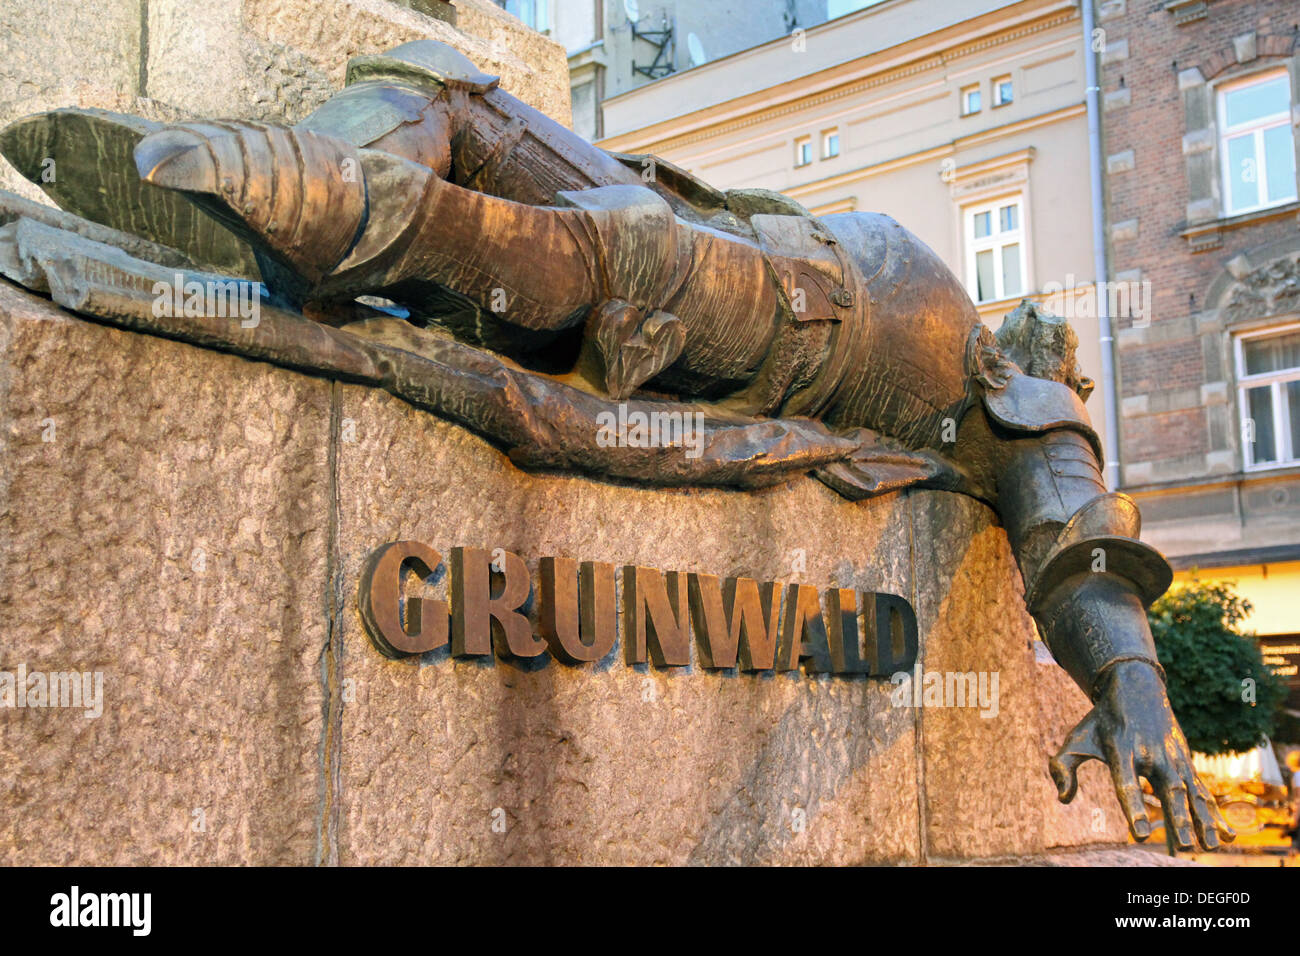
(1109, 399)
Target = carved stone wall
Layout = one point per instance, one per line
(191, 525)
(1262, 289)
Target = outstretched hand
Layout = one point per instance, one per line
(1132, 729)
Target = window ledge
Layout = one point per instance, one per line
(1239, 477)
(1185, 11)
(998, 308)
(1209, 235)
(1268, 468)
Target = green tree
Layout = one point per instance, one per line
(1222, 693)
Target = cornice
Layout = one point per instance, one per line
(845, 90)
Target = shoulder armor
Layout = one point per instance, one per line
(422, 62)
(358, 116)
(1029, 404)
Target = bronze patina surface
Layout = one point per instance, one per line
(427, 233)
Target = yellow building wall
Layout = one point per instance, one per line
(1273, 590)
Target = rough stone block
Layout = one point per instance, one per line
(1122, 162)
(266, 60)
(611, 763)
(1120, 231)
(163, 521)
(979, 766)
(192, 525)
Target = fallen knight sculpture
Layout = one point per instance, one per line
(528, 282)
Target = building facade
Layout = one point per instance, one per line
(618, 45)
(1200, 131)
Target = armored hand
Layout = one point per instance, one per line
(1098, 629)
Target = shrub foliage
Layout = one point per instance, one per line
(1224, 696)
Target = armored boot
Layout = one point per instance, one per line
(346, 221)
(644, 281)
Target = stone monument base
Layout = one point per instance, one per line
(191, 526)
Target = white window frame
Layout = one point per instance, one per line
(995, 241)
(965, 94)
(799, 144)
(996, 90)
(826, 142)
(1287, 456)
(1258, 127)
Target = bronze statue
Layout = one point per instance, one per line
(426, 232)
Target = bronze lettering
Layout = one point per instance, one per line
(380, 601)
(579, 611)
(804, 635)
(736, 622)
(755, 610)
(655, 617)
(480, 618)
(715, 638)
(893, 623)
(842, 631)
(733, 622)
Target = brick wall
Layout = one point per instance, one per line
(1162, 224)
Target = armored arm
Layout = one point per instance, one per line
(1088, 578)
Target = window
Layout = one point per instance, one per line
(830, 144)
(995, 257)
(803, 151)
(1268, 379)
(533, 13)
(1256, 148)
(970, 100)
(1002, 92)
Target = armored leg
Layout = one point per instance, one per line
(651, 282)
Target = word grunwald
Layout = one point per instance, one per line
(736, 623)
